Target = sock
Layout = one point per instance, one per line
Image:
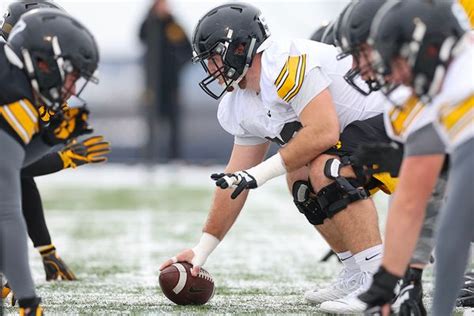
(369, 259)
(349, 262)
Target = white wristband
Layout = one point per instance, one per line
(204, 248)
(269, 169)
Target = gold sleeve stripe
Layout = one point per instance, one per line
(401, 118)
(457, 118)
(291, 77)
(300, 80)
(22, 117)
(283, 72)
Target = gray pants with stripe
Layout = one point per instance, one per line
(456, 230)
(13, 237)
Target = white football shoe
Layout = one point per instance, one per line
(344, 284)
(350, 304)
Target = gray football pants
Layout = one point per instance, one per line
(13, 238)
(426, 241)
(456, 230)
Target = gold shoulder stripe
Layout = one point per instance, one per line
(282, 74)
(456, 118)
(22, 117)
(402, 117)
(300, 80)
(291, 77)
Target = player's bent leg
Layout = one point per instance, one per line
(303, 196)
(455, 231)
(356, 219)
(14, 251)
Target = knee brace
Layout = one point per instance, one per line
(335, 197)
(307, 204)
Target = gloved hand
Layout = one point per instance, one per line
(239, 180)
(91, 150)
(54, 267)
(64, 126)
(379, 157)
(381, 293)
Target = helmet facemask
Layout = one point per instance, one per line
(236, 57)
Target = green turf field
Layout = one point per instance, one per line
(114, 229)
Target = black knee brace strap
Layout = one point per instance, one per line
(307, 204)
(335, 197)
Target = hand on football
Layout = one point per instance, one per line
(239, 180)
(184, 256)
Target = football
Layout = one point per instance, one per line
(182, 288)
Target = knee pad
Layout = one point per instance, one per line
(306, 204)
(335, 197)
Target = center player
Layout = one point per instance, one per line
(291, 92)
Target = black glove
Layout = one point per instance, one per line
(379, 157)
(66, 125)
(54, 266)
(239, 180)
(91, 150)
(381, 292)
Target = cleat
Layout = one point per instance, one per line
(466, 296)
(350, 303)
(30, 307)
(342, 286)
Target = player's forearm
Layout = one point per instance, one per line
(224, 212)
(48, 164)
(310, 142)
(418, 176)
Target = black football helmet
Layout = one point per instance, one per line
(425, 34)
(17, 8)
(353, 31)
(49, 45)
(324, 33)
(234, 31)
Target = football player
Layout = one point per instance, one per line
(47, 52)
(352, 36)
(293, 93)
(92, 150)
(427, 47)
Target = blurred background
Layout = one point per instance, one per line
(149, 122)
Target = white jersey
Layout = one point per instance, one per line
(293, 72)
(455, 102)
